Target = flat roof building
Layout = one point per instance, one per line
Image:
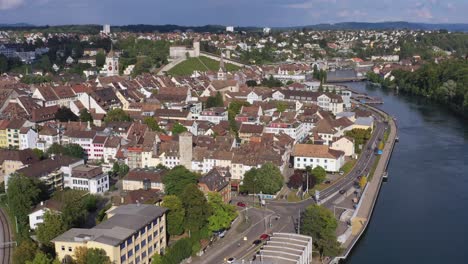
(132, 234)
(286, 248)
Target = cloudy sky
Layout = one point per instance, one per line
(230, 12)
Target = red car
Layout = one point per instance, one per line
(264, 237)
(241, 204)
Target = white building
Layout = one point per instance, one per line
(331, 102)
(106, 29)
(37, 215)
(214, 115)
(229, 29)
(266, 30)
(28, 138)
(308, 155)
(88, 178)
(344, 144)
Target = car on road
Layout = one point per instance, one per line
(341, 172)
(241, 204)
(327, 182)
(257, 242)
(342, 191)
(264, 237)
(231, 260)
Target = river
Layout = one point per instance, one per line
(421, 214)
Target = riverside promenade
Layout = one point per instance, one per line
(363, 213)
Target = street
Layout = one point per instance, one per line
(233, 245)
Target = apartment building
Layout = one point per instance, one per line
(133, 233)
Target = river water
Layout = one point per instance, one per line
(421, 215)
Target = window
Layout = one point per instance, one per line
(123, 258)
(150, 237)
(143, 243)
(143, 255)
(137, 247)
(143, 230)
(155, 233)
(70, 249)
(129, 241)
(122, 246)
(150, 250)
(137, 260)
(130, 253)
(63, 248)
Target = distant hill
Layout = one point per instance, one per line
(219, 28)
(388, 25)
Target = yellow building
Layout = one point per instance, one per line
(3, 133)
(132, 234)
(13, 132)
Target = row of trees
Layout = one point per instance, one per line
(311, 176)
(360, 136)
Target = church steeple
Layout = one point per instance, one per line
(222, 69)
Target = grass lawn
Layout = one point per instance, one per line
(348, 166)
(292, 197)
(201, 63)
(374, 166)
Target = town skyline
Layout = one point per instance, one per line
(242, 13)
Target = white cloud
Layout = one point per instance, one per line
(309, 4)
(424, 13)
(10, 4)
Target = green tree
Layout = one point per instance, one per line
(74, 150)
(175, 217)
(116, 115)
(41, 258)
(251, 83)
(281, 106)
(3, 64)
(73, 208)
(223, 214)
(26, 251)
(44, 63)
(178, 128)
(64, 114)
(22, 195)
(268, 179)
(196, 207)
(152, 124)
(215, 101)
(100, 59)
(85, 116)
(97, 256)
(39, 153)
(52, 226)
(319, 174)
(177, 179)
(321, 224)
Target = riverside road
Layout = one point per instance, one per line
(281, 216)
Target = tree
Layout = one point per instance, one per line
(176, 214)
(281, 106)
(100, 59)
(44, 63)
(296, 180)
(117, 115)
(3, 63)
(39, 153)
(196, 207)
(152, 124)
(222, 214)
(41, 258)
(85, 116)
(72, 150)
(319, 174)
(251, 83)
(268, 179)
(215, 101)
(363, 182)
(321, 224)
(22, 195)
(178, 128)
(52, 226)
(85, 255)
(64, 114)
(177, 179)
(26, 251)
(73, 208)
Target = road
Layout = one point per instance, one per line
(5, 238)
(289, 212)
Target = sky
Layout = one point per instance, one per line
(272, 13)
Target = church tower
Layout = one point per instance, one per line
(112, 63)
(222, 73)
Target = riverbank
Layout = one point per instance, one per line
(363, 213)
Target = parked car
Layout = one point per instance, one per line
(341, 172)
(257, 242)
(342, 191)
(231, 260)
(264, 237)
(240, 204)
(327, 182)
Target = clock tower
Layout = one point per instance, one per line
(112, 64)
